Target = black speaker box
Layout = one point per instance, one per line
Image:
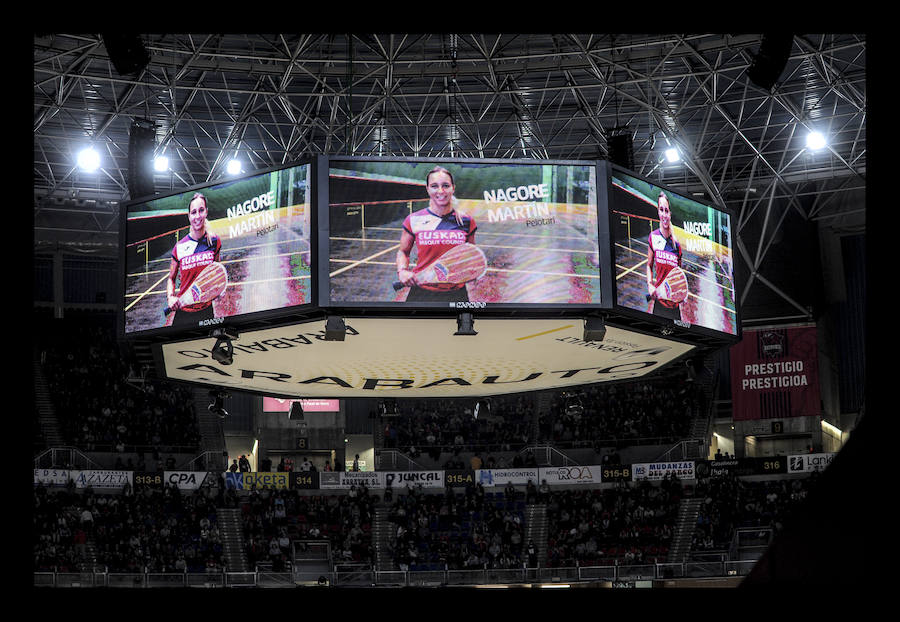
(770, 61)
(621, 150)
(126, 52)
(141, 143)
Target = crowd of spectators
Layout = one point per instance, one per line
(168, 530)
(101, 401)
(432, 427)
(730, 503)
(152, 530)
(629, 524)
(272, 519)
(658, 410)
(456, 531)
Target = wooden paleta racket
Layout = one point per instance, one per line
(674, 287)
(461, 264)
(209, 285)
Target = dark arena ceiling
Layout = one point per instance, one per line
(274, 99)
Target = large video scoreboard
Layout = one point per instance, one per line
(387, 243)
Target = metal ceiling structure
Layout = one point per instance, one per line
(274, 99)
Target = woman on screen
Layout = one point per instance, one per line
(194, 252)
(663, 254)
(434, 230)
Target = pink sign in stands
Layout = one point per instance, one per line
(278, 405)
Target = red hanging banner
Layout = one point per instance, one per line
(775, 374)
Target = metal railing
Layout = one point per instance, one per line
(393, 578)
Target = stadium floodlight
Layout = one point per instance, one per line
(88, 160)
(388, 408)
(161, 164)
(223, 350)
(815, 141)
(482, 407)
(672, 155)
(465, 324)
(594, 329)
(335, 328)
(217, 406)
(574, 407)
(234, 167)
(296, 412)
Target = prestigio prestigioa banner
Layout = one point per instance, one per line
(257, 228)
(535, 226)
(775, 374)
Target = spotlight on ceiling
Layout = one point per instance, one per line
(234, 167)
(672, 155)
(815, 141)
(161, 164)
(88, 160)
(217, 406)
(465, 324)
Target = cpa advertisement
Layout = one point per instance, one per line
(195, 258)
(656, 231)
(775, 374)
(460, 234)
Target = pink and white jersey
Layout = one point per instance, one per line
(192, 256)
(666, 255)
(435, 235)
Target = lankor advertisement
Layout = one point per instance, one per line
(421, 358)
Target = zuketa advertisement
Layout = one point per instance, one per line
(462, 233)
(224, 250)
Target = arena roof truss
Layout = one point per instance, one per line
(273, 99)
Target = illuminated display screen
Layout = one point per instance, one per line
(653, 237)
(242, 247)
(467, 235)
(278, 405)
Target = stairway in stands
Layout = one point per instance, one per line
(701, 425)
(536, 530)
(382, 535)
(544, 403)
(688, 511)
(231, 531)
(46, 413)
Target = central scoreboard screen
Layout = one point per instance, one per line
(461, 234)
